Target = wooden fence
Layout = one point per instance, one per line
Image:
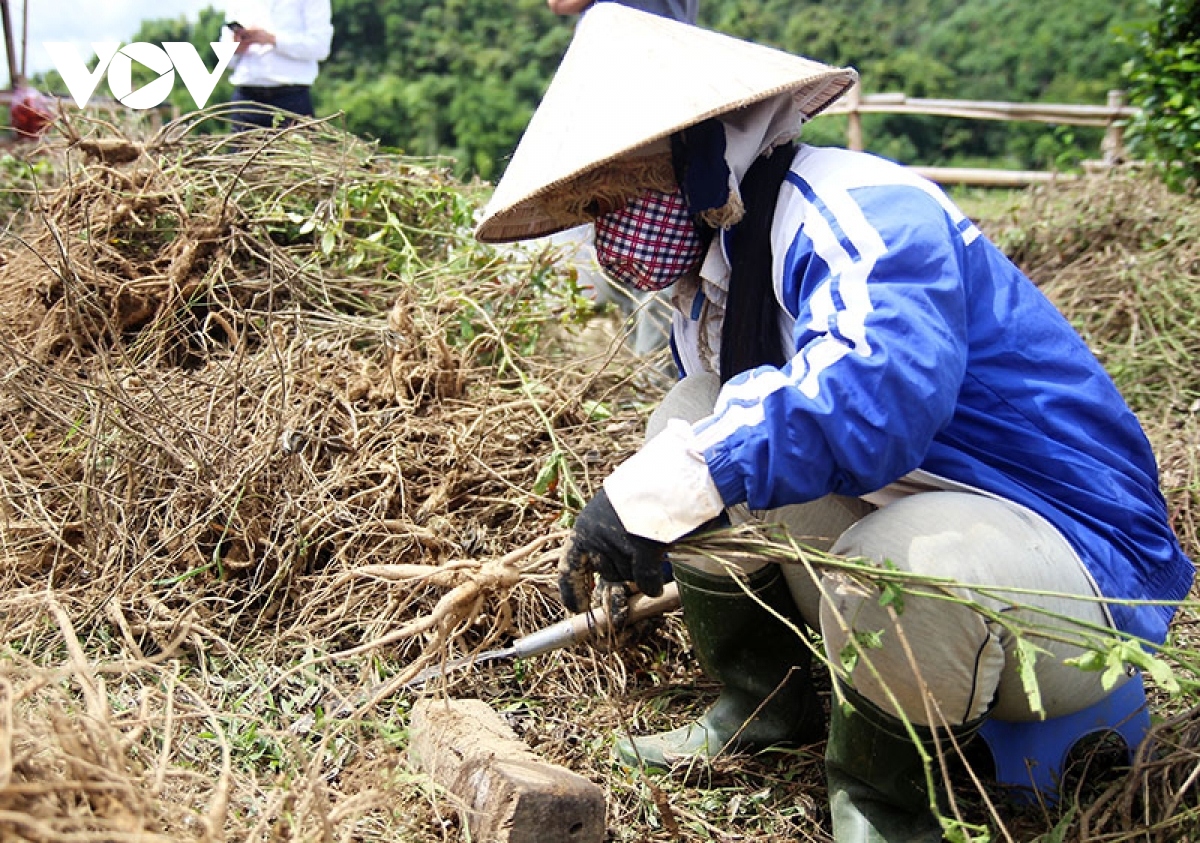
(1112, 117)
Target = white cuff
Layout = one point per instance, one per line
(664, 491)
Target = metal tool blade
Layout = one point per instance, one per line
(565, 633)
(446, 668)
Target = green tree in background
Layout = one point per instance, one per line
(202, 32)
(1018, 52)
(458, 78)
(1164, 79)
(973, 50)
(461, 78)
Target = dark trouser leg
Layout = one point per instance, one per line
(295, 99)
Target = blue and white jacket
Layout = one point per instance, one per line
(921, 357)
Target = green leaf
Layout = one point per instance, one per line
(1132, 653)
(1059, 834)
(1090, 661)
(596, 411)
(1114, 668)
(869, 639)
(1162, 675)
(890, 594)
(1026, 664)
(328, 241)
(547, 476)
(848, 657)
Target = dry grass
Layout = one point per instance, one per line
(277, 434)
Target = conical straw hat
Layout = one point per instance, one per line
(627, 82)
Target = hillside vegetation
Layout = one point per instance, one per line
(461, 77)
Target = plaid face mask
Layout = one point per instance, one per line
(650, 243)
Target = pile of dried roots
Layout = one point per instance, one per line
(276, 435)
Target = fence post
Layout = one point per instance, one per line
(1112, 148)
(854, 137)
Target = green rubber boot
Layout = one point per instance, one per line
(876, 778)
(767, 697)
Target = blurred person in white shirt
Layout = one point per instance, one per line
(280, 44)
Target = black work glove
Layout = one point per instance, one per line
(601, 544)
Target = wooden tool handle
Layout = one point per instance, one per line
(586, 625)
(642, 607)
